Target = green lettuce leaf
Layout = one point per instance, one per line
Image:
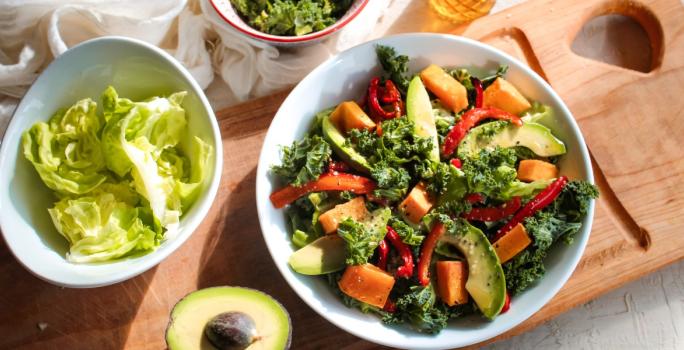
(140, 139)
(66, 151)
(101, 228)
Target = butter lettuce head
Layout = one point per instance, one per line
(123, 179)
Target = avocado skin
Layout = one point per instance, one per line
(219, 289)
(336, 140)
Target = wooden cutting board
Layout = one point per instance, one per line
(632, 122)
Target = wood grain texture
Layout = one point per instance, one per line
(631, 121)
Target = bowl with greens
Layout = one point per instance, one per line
(288, 22)
(110, 162)
(425, 191)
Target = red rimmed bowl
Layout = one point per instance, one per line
(226, 11)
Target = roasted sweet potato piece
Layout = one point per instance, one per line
(533, 169)
(449, 90)
(367, 283)
(512, 243)
(451, 281)
(355, 209)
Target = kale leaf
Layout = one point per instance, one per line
(391, 155)
(408, 234)
(396, 66)
(304, 160)
(490, 172)
(418, 307)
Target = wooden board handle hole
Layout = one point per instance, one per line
(621, 33)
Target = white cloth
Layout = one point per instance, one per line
(232, 67)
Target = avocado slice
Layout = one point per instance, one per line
(419, 110)
(267, 325)
(336, 140)
(534, 136)
(486, 282)
(324, 255)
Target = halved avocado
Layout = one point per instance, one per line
(534, 136)
(337, 140)
(235, 318)
(419, 110)
(324, 255)
(486, 281)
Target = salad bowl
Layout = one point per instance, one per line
(138, 71)
(344, 77)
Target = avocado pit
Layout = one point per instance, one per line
(232, 330)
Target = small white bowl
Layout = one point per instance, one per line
(225, 10)
(137, 70)
(344, 77)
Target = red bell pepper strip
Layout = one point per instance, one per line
(494, 214)
(507, 304)
(539, 202)
(457, 163)
(426, 252)
(406, 270)
(383, 252)
(469, 120)
(474, 198)
(326, 182)
(477, 84)
(389, 95)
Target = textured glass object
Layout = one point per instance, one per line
(459, 11)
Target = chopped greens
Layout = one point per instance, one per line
(291, 17)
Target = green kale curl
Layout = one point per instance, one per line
(490, 172)
(408, 234)
(395, 65)
(304, 161)
(418, 308)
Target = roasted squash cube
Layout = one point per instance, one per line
(512, 243)
(367, 283)
(355, 209)
(449, 90)
(533, 170)
(503, 95)
(348, 115)
(451, 282)
(416, 204)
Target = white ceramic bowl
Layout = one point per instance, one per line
(225, 9)
(137, 70)
(344, 77)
